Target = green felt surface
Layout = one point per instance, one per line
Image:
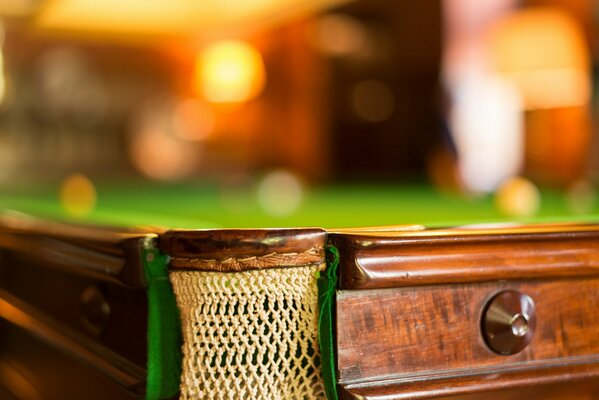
(208, 206)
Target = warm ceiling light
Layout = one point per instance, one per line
(543, 51)
(188, 17)
(20, 8)
(116, 16)
(229, 72)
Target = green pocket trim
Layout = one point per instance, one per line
(327, 285)
(164, 327)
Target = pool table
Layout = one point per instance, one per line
(196, 206)
(155, 293)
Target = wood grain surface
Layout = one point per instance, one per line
(424, 332)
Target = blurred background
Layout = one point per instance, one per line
(322, 112)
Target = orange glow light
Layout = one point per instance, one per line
(229, 72)
(161, 156)
(193, 120)
(543, 51)
(163, 17)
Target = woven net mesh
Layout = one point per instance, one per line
(250, 335)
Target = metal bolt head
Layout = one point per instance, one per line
(509, 321)
(519, 325)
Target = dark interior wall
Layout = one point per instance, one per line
(406, 53)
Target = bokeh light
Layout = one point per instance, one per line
(373, 100)
(340, 35)
(280, 193)
(193, 120)
(77, 195)
(156, 146)
(229, 72)
(518, 197)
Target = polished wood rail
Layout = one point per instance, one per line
(411, 308)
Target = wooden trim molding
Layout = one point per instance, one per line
(375, 261)
(234, 250)
(125, 373)
(569, 372)
(107, 254)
